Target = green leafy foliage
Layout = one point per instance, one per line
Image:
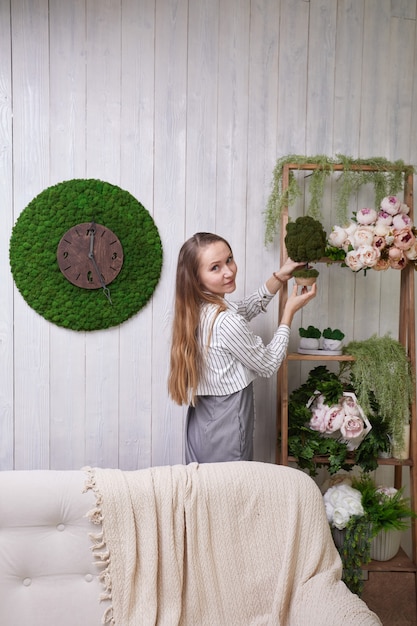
(384, 512)
(306, 444)
(310, 448)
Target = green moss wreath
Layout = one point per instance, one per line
(34, 265)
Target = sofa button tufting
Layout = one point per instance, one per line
(89, 577)
(60, 527)
(27, 582)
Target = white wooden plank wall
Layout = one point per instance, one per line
(186, 104)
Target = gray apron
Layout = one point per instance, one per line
(220, 428)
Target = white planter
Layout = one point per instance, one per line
(308, 343)
(385, 545)
(332, 344)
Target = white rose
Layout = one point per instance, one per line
(341, 517)
(411, 253)
(391, 205)
(352, 427)
(381, 228)
(404, 208)
(401, 221)
(368, 255)
(363, 236)
(351, 229)
(337, 237)
(334, 418)
(366, 216)
(350, 406)
(384, 218)
(353, 260)
(354, 504)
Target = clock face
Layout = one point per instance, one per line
(90, 255)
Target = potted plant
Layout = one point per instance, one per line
(388, 512)
(305, 241)
(359, 512)
(332, 339)
(309, 338)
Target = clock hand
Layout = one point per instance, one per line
(91, 256)
(92, 232)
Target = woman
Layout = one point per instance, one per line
(214, 355)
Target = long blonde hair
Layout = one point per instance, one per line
(186, 351)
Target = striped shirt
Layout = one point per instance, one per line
(235, 355)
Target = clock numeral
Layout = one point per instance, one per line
(114, 256)
(90, 276)
(65, 255)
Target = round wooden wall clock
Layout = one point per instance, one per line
(90, 256)
(85, 254)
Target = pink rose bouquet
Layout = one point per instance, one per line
(345, 421)
(377, 240)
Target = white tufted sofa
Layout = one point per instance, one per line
(47, 573)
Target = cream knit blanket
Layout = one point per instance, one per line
(222, 544)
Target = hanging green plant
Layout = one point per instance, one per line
(355, 552)
(387, 178)
(381, 370)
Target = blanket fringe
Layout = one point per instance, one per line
(98, 547)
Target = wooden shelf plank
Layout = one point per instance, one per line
(297, 356)
(399, 563)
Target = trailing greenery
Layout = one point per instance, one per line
(381, 372)
(387, 179)
(355, 552)
(310, 448)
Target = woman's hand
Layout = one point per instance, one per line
(286, 270)
(296, 301)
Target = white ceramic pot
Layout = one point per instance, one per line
(385, 545)
(309, 343)
(332, 344)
